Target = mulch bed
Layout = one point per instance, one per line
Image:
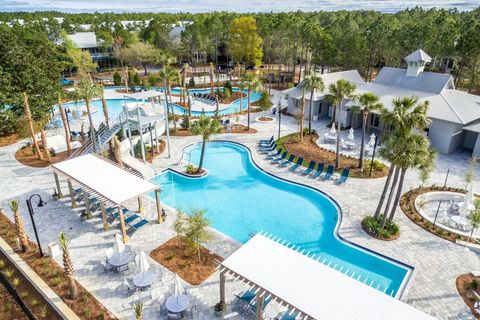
(10, 310)
(407, 204)
(463, 284)
(85, 306)
(171, 254)
(309, 150)
(9, 139)
(373, 235)
(236, 128)
(148, 155)
(26, 156)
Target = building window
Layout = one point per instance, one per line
(375, 120)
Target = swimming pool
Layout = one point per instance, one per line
(240, 198)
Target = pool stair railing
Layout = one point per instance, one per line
(329, 263)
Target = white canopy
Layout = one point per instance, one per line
(313, 289)
(143, 95)
(103, 178)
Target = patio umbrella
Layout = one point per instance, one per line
(142, 262)
(371, 142)
(468, 203)
(350, 134)
(118, 246)
(332, 128)
(177, 286)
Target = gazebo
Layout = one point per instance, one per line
(110, 184)
(306, 287)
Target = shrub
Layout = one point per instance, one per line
(185, 124)
(376, 165)
(57, 281)
(373, 226)
(474, 284)
(191, 169)
(117, 78)
(16, 282)
(2, 263)
(34, 303)
(8, 121)
(264, 103)
(191, 82)
(228, 86)
(152, 79)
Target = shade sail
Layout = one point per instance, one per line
(308, 286)
(104, 178)
(143, 95)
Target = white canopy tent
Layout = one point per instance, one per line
(104, 179)
(308, 287)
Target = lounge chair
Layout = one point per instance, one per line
(132, 218)
(296, 165)
(319, 170)
(282, 157)
(266, 146)
(329, 172)
(274, 154)
(343, 178)
(137, 226)
(268, 150)
(247, 296)
(265, 141)
(287, 316)
(310, 168)
(286, 162)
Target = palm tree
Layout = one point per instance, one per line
(301, 116)
(312, 83)
(241, 87)
(169, 75)
(88, 91)
(407, 114)
(65, 125)
(64, 241)
(28, 117)
(368, 102)
(116, 146)
(184, 81)
(251, 83)
(338, 92)
(206, 127)
(44, 141)
(19, 226)
(105, 107)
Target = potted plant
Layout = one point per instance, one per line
(220, 309)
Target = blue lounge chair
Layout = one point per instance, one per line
(319, 170)
(296, 165)
(343, 178)
(289, 160)
(287, 316)
(274, 154)
(329, 172)
(266, 141)
(246, 297)
(131, 218)
(137, 226)
(310, 168)
(268, 150)
(282, 157)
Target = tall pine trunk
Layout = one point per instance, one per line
(65, 126)
(171, 106)
(126, 79)
(45, 145)
(28, 118)
(399, 193)
(248, 111)
(310, 113)
(384, 192)
(337, 153)
(362, 143)
(390, 196)
(302, 115)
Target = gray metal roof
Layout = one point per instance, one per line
(84, 40)
(473, 127)
(418, 55)
(425, 81)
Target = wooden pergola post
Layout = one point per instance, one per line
(222, 288)
(141, 208)
(259, 305)
(104, 215)
(86, 200)
(72, 194)
(57, 182)
(159, 206)
(122, 224)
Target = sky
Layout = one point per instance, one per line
(226, 5)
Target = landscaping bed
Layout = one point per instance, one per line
(148, 152)
(236, 128)
(10, 310)
(85, 306)
(309, 150)
(172, 255)
(407, 204)
(373, 228)
(26, 156)
(466, 284)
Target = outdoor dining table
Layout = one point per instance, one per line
(143, 279)
(119, 259)
(177, 304)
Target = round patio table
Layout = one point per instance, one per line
(177, 304)
(350, 144)
(119, 259)
(143, 279)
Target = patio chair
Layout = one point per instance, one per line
(129, 288)
(296, 165)
(329, 172)
(274, 154)
(282, 157)
(246, 296)
(319, 170)
(173, 316)
(289, 160)
(106, 266)
(188, 314)
(310, 168)
(266, 141)
(287, 316)
(343, 178)
(137, 226)
(343, 145)
(268, 150)
(266, 146)
(132, 218)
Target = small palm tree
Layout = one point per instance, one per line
(251, 83)
(338, 92)
(19, 226)
(64, 241)
(206, 127)
(313, 84)
(138, 311)
(368, 102)
(116, 146)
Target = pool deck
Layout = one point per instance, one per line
(437, 262)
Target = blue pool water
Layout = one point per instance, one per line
(115, 106)
(241, 199)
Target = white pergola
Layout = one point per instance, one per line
(112, 185)
(307, 287)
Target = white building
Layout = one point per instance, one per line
(454, 114)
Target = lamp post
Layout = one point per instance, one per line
(279, 117)
(373, 155)
(41, 203)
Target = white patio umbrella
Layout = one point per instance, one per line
(350, 134)
(332, 129)
(142, 262)
(371, 142)
(118, 245)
